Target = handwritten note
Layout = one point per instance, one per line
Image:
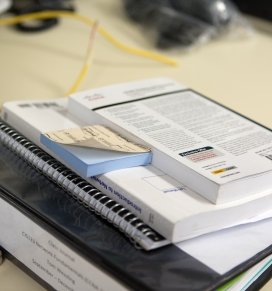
(96, 136)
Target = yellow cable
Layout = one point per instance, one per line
(88, 21)
(82, 74)
(87, 62)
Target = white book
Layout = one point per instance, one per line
(211, 149)
(158, 199)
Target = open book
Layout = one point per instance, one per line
(161, 201)
(216, 152)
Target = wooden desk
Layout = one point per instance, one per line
(235, 72)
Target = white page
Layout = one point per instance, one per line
(252, 275)
(224, 250)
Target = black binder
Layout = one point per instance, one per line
(35, 198)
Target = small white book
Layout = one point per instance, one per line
(218, 153)
(158, 199)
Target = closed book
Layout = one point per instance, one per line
(213, 150)
(168, 206)
(68, 247)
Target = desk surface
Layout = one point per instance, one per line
(235, 72)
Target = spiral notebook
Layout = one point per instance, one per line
(141, 234)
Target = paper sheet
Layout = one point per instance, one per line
(225, 249)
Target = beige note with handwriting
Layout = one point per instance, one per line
(96, 136)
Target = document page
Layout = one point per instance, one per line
(212, 140)
(226, 249)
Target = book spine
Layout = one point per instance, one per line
(138, 207)
(47, 256)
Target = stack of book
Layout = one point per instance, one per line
(77, 204)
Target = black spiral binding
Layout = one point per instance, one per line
(138, 232)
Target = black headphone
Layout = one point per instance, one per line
(21, 7)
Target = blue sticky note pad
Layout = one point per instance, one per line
(91, 162)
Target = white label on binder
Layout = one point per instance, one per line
(49, 258)
(96, 136)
